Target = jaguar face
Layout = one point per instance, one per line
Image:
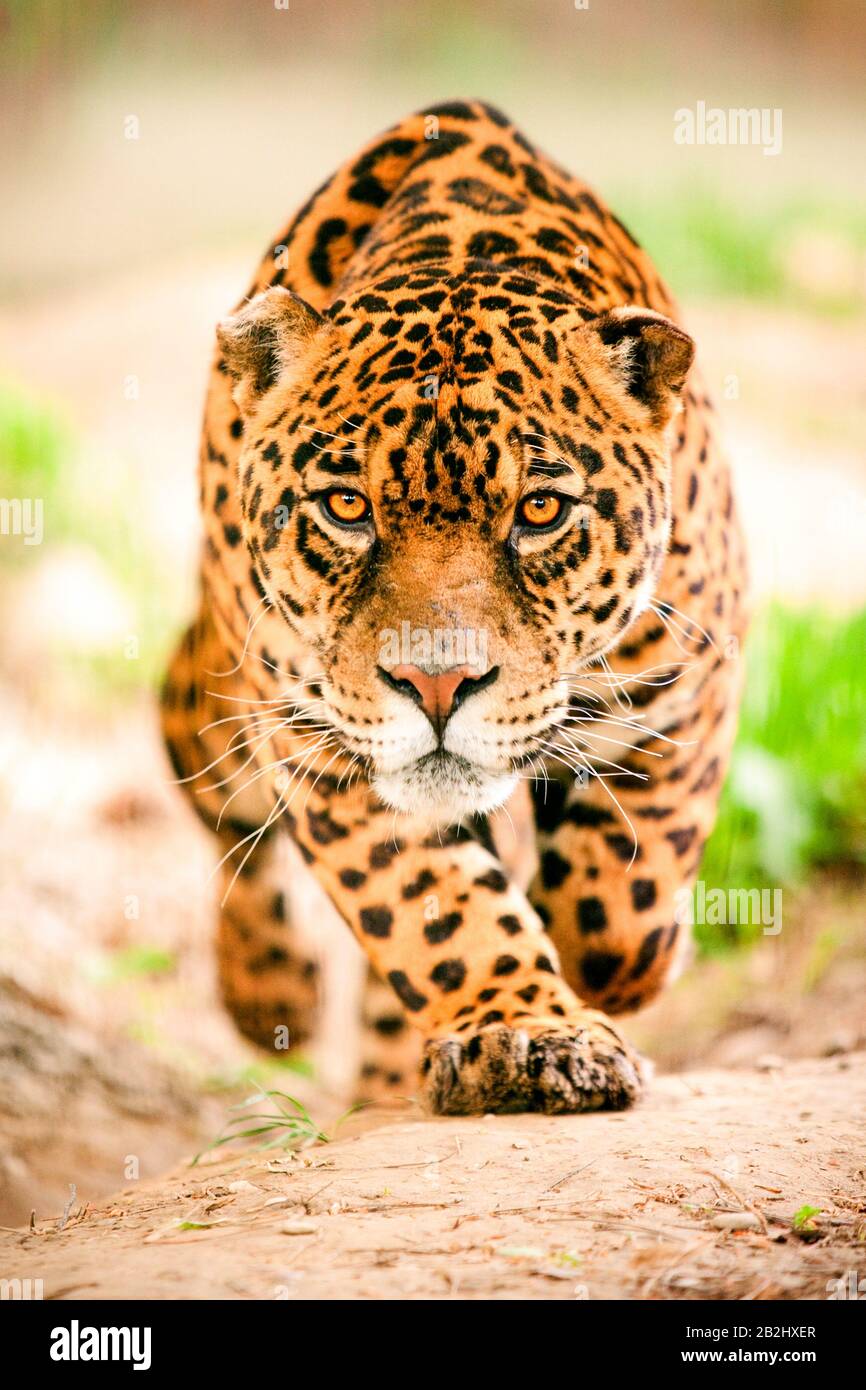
(456, 493)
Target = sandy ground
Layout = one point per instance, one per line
(694, 1194)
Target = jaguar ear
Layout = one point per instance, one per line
(262, 340)
(649, 354)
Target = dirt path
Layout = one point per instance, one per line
(601, 1206)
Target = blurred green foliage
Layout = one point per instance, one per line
(795, 797)
(707, 244)
(33, 442)
(141, 959)
(41, 457)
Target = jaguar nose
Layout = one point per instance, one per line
(438, 695)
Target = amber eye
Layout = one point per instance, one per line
(540, 510)
(348, 508)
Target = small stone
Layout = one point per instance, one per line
(299, 1228)
(736, 1221)
(243, 1186)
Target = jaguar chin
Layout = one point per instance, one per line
(444, 788)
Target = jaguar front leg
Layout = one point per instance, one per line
(614, 879)
(466, 955)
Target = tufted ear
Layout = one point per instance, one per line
(262, 340)
(649, 354)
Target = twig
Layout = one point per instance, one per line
(305, 1201)
(422, 1163)
(73, 1193)
(573, 1174)
(738, 1197)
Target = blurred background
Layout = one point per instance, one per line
(150, 154)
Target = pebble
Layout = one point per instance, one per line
(299, 1228)
(736, 1221)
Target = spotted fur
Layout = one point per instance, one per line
(451, 327)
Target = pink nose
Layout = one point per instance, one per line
(437, 695)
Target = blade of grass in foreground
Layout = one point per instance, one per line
(295, 1128)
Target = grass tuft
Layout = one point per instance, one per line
(288, 1124)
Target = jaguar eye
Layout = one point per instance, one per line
(540, 510)
(345, 507)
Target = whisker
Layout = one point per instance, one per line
(351, 446)
(585, 754)
(320, 773)
(685, 620)
(536, 434)
(234, 718)
(269, 767)
(251, 627)
(639, 728)
(620, 694)
(355, 758)
(274, 815)
(230, 777)
(230, 748)
(619, 742)
(239, 700)
(535, 452)
(610, 677)
(260, 740)
(602, 780)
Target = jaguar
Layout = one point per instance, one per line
(472, 594)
